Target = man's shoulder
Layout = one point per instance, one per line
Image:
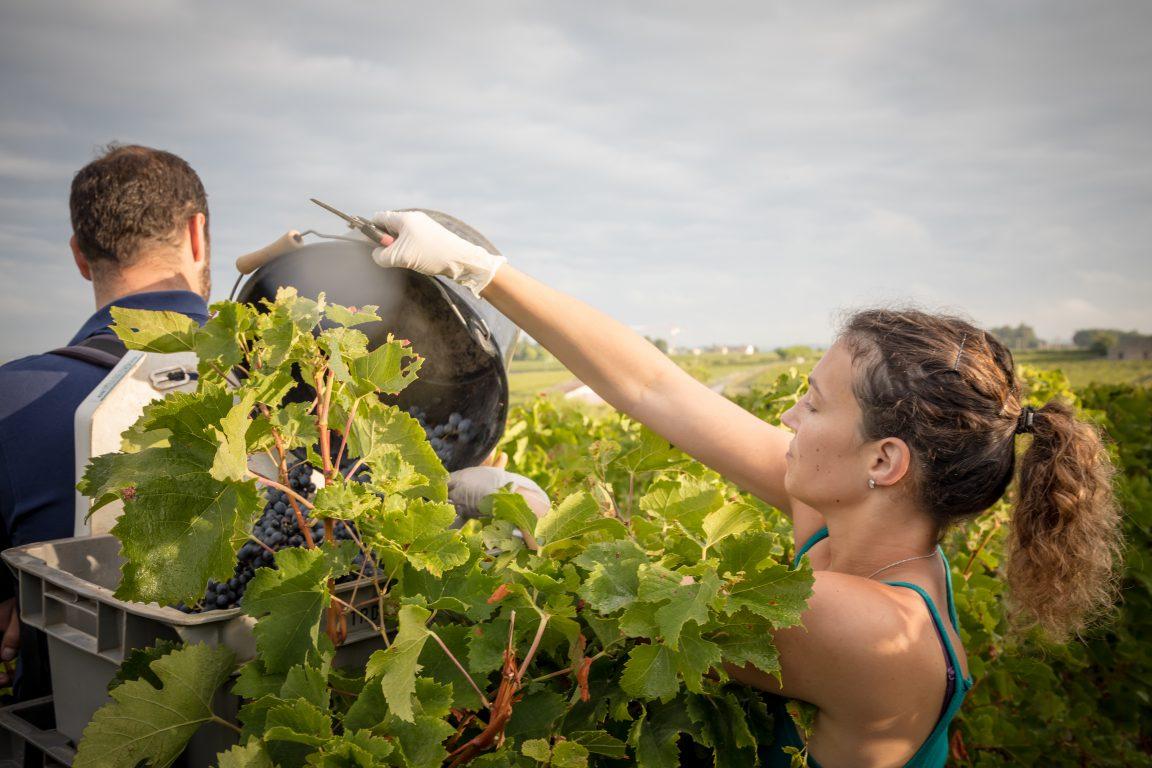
(47, 382)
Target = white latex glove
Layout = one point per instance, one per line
(470, 486)
(425, 246)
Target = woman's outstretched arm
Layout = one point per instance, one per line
(636, 378)
(617, 363)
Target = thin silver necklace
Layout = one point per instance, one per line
(901, 562)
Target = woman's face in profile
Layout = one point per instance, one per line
(827, 466)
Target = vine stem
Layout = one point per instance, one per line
(221, 721)
(355, 468)
(544, 617)
(356, 611)
(347, 429)
(983, 542)
(280, 487)
(459, 666)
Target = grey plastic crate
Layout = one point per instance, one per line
(29, 739)
(65, 589)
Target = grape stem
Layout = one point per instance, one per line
(262, 544)
(283, 465)
(349, 606)
(280, 487)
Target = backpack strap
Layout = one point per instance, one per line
(103, 350)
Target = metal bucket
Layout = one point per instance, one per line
(467, 344)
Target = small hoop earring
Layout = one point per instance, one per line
(872, 483)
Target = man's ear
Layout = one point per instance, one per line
(80, 259)
(891, 461)
(198, 237)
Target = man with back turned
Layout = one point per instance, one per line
(140, 236)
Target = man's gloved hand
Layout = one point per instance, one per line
(10, 643)
(468, 487)
(425, 246)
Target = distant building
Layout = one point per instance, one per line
(750, 350)
(1132, 349)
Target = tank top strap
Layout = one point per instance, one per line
(813, 540)
(939, 622)
(952, 616)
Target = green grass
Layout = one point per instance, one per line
(1083, 368)
(527, 379)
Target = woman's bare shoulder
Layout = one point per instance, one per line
(853, 629)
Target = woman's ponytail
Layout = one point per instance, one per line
(1065, 544)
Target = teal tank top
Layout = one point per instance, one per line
(933, 753)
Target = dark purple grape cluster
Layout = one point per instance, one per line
(277, 527)
(449, 437)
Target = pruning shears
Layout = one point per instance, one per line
(371, 230)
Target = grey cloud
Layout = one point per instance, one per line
(738, 169)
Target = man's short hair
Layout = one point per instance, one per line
(130, 198)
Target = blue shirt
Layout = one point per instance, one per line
(39, 395)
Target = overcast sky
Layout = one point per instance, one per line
(742, 171)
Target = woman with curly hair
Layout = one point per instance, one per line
(911, 423)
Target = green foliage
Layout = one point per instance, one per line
(1086, 703)
(608, 623)
(583, 643)
(154, 723)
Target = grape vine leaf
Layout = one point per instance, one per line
(418, 529)
(379, 429)
(138, 664)
(343, 346)
(696, 657)
(288, 602)
(535, 714)
(685, 598)
(721, 725)
(730, 520)
(652, 452)
(250, 755)
(154, 724)
(748, 553)
(576, 516)
(181, 528)
(686, 501)
(601, 743)
(343, 500)
(464, 589)
(218, 340)
(389, 368)
(152, 331)
(180, 525)
(296, 427)
(614, 580)
(510, 506)
(746, 639)
(358, 749)
(271, 388)
(650, 673)
(776, 593)
(231, 459)
(397, 666)
(297, 721)
(654, 734)
(562, 754)
(350, 316)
